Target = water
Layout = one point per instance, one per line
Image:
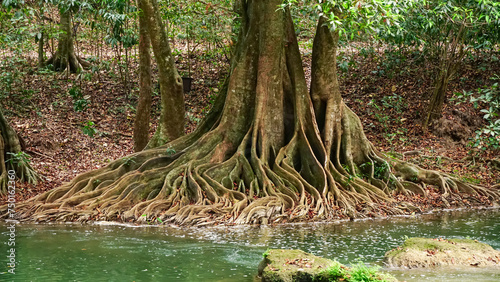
(103, 252)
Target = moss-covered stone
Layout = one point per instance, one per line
(296, 265)
(425, 252)
(291, 265)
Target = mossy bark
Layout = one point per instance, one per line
(450, 58)
(269, 151)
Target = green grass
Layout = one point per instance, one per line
(358, 272)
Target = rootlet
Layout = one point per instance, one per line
(11, 257)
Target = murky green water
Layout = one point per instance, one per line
(123, 253)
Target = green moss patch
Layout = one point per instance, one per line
(425, 252)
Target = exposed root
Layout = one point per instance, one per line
(196, 187)
(70, 61)
(449, 186)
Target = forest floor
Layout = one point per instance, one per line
(389, 94)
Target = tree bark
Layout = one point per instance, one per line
(10, 145)
(171, 123)
(65, 56)
(450, 58)
(142, 119)
(325, 89)
(41, 61)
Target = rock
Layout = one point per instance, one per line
(291, 265)
(424, 252)
(296, 265)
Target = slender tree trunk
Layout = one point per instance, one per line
(451, 56)
(171, 123)
(142, 119)
(65, 56)
(41, 61)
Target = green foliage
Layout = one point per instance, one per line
(351, 16)
(80, 102)
(488, 99)
(394, 102)
(336, 271)
(390, 104)
(170, 151)
(117, 15)
(362, 273)
(359, 272)
(19, 158)
(381, 171)
(207, 23)
(89, 129)
(431, 25)
(127, 161)
(266, 253)
(7, 80)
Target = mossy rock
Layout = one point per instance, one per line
(425, 252)
(296, 265)
(291, 265)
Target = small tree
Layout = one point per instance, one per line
(268, 151)
(446, 31)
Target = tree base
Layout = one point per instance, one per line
(72, 61)
(186, 183)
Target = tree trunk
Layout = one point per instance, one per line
(450, 57)
(65, 55)
(141, 124)
(269, 151)
(12, 157)
(3, 169)
(171, 123)
(438, 95)
(41, 61)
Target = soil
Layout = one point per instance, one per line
(390, 105)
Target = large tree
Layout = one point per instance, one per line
(142, 118)
(269, 150)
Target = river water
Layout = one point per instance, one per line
(104, 252)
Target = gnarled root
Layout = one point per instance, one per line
(450, 187)
(196, 187)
